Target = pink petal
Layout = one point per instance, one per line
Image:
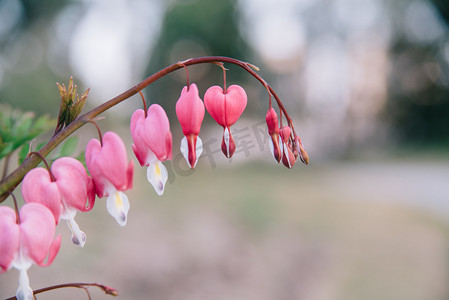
(108, 164)
(38, 187)
(227, 144)
(227, 107)
(53, 251)
(273, 130)
(92, 151)
(72, 182)
(141, 154)
(288, 158)
(302, 152)
(9, 237)
(191, 143)
(136, 119)
(272, 121)
(285, 133)
(90, 194)
(37, 229)
(129, 175)
(190, 110)
(139, 147)
(155, 132)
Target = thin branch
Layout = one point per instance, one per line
(106, 289)
(10, 182)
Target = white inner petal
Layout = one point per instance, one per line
(185, 150)
(78, 236)
(24, 291)
(286, 154)
(226, 140)
(117, 205)
(271, 145)
(157, 175)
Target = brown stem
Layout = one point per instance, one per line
(144, 104)
(16, 208)
(187, 75)
(53, 179)
(100, 136)
(107, 290)
(10, 182)
(224, 77)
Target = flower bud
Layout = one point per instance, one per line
(288, 158)
(273, 130)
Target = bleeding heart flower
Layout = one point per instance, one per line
(69, 189)
(273, 130)
(111, 172)
(299, 150)
(288, 158)
(152, 143)
(190, 112)
(26, 243)
(226, 107)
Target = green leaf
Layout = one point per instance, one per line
(69, 146)
(23, 152)
(82, 159)
(18, 128)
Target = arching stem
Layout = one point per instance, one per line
(187, 75)
(100, 136)
(10, 182)
(144, 103)
(53, 179)
(106, 289)
(16, 208)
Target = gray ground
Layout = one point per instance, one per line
(366, 230)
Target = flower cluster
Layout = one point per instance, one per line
(58, 192)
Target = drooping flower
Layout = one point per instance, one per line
(112, 173)
(226, 106)
(27, 242)
(288, 158)
(152, 143)
(299, 150)
(67, 190)
(190, 112)
(273, 130)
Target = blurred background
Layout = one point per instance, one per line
(366, 82)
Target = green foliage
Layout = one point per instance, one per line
(69, 146)
(17, 128)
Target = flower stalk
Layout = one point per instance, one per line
(10, 182)
(106, 289)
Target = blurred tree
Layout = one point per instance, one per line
(443, 8)
(192, 29)
(24, 75)
(418, 106)
(37, 11)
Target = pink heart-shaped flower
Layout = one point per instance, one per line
(151, 134)
(37, 187)
(225, 107)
